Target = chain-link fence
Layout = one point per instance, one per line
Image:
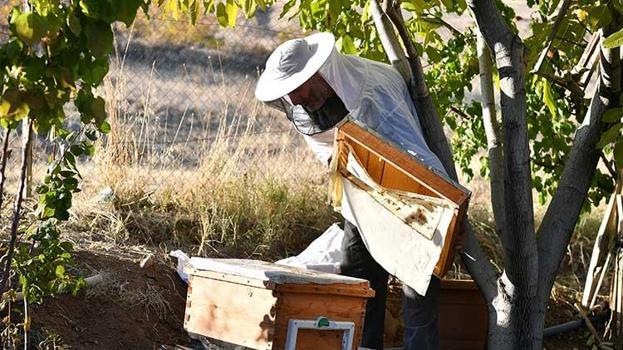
(175, 92)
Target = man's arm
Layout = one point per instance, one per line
(322, 145)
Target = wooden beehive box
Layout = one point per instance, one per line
(393, 169)
(250, 303)
(463, 316)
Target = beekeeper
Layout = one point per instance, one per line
(317, 88)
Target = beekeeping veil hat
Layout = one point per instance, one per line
(373, 93)
(293, 63)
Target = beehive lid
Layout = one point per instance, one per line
(274, 276)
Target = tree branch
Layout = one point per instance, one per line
(562, 214)
(568, 84)
(492, 132)
(478, 264)
(460, 113)
(393, 11)
(427, 113)
(542, 164)
(519, 240)
(390, 42)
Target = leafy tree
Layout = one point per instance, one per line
(57, 54)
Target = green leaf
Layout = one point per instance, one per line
(99, 38)
(609, 135)
(232, 12)
(347, 45)
(249, 7)
(618, 154)
(67, 246)
(104, 127)
(599, 17)
(77, 149)
(73, 22)
(221, 14)
(30, 27)
(193, 10)
(93, 72)
(126, 10)
(286, 8)
(91, 134)
(99, 10)
(89, 148)
(12, 106)
(48, 212)
(614, 40)
(548, 98)
(335, 8)
(417, 6)
(59, 271)
(612, 115)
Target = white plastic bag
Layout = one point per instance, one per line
(323, 254)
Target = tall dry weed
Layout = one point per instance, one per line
(232, 186)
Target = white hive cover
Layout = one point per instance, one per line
(266, 271)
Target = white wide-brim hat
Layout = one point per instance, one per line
(292, 63)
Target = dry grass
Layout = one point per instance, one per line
(230, 190)
(118, 290)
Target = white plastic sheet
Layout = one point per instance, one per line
(182, 259)
(323, 254)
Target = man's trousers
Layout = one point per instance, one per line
(419, 312)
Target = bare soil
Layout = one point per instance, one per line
(96, 319)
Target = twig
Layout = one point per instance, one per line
(435, 19)
(588, 323)
(570, 41)
(568, 84)
(460, 113)
(608, 165)
(549, 166)
(5, 156)
(600, 280)
(17, 209)
(550, 38)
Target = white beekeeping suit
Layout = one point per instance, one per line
(376, 95)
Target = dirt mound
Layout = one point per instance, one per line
(133, 308)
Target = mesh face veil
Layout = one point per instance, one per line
(311, 123)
